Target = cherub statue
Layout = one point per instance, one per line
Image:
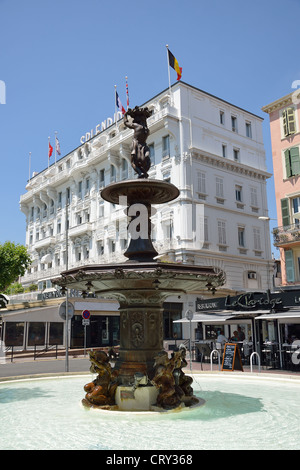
(140, 153)
(101, 391)
(164, 380)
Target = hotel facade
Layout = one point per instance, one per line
(210, 149)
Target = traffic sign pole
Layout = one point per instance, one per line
(85, 321)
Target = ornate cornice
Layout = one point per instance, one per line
(229, 165)
(281, 102)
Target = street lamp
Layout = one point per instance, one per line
(267, 219)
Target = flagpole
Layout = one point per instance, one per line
(116, 110)
(127, 95)
(167, 46)
(29, 165)
(55, 145)
(48, 150)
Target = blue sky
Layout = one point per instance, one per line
(60, 60)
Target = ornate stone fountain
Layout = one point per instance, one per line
(144, 377)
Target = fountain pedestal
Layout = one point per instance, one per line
(141, 399)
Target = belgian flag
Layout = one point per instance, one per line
(174, 64)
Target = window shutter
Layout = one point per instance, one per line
(285, 124)
(291, 121)
(295, 160)
(288, 168)
(285, 212)
(289, 266)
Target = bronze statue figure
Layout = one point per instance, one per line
(140, 153)
(101, 391)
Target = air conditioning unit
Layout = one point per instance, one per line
(252, 275)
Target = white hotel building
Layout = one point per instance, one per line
(210, 149)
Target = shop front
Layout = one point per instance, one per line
(266, 323)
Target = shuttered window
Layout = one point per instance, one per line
(289, 266)
(285, 212)
(292, 161)
(288, 121)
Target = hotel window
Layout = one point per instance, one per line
(80, 189)
(58, 229)
(222, 117)
(78, 219)
(206, 239)
(248, 130)
(256, 238)
(222, 232)
(253, 197)
(101, 209)
(236, 155)
(238, 193)
(166, 146)
(87, 187)
(241, 236)
(234, 124)
(102, 178)
(68, 195)
(152, 154)
(100, 247)
(292, 161)
(124, 169)
(224, 150)
(201, 182)
(288, 121)
(219, 187)
(59, 200)
(112, 174)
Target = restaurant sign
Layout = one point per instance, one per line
(251, 301)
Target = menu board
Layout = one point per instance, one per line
(232, 357)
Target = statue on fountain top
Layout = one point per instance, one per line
(140, 153)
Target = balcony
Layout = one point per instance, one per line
(287, 235)
(80, 229)
(44, 242)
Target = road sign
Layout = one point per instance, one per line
(85, 322)
(62, 310)
(86, 314)
(189, 315)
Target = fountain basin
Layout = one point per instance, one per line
(256, 412)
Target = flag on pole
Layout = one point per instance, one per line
(174, 64)
(57, 146)
(127, 95)
(50, 150)
(119, 104)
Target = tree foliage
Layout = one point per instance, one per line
(14, 260)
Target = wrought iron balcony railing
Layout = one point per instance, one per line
(287, 234)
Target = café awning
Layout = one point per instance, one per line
(287, 316)
(221, 316)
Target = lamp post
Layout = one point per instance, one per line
(189, 316)
(266, 218)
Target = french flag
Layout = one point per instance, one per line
(119, 104)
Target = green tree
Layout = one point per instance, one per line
(14, 260)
